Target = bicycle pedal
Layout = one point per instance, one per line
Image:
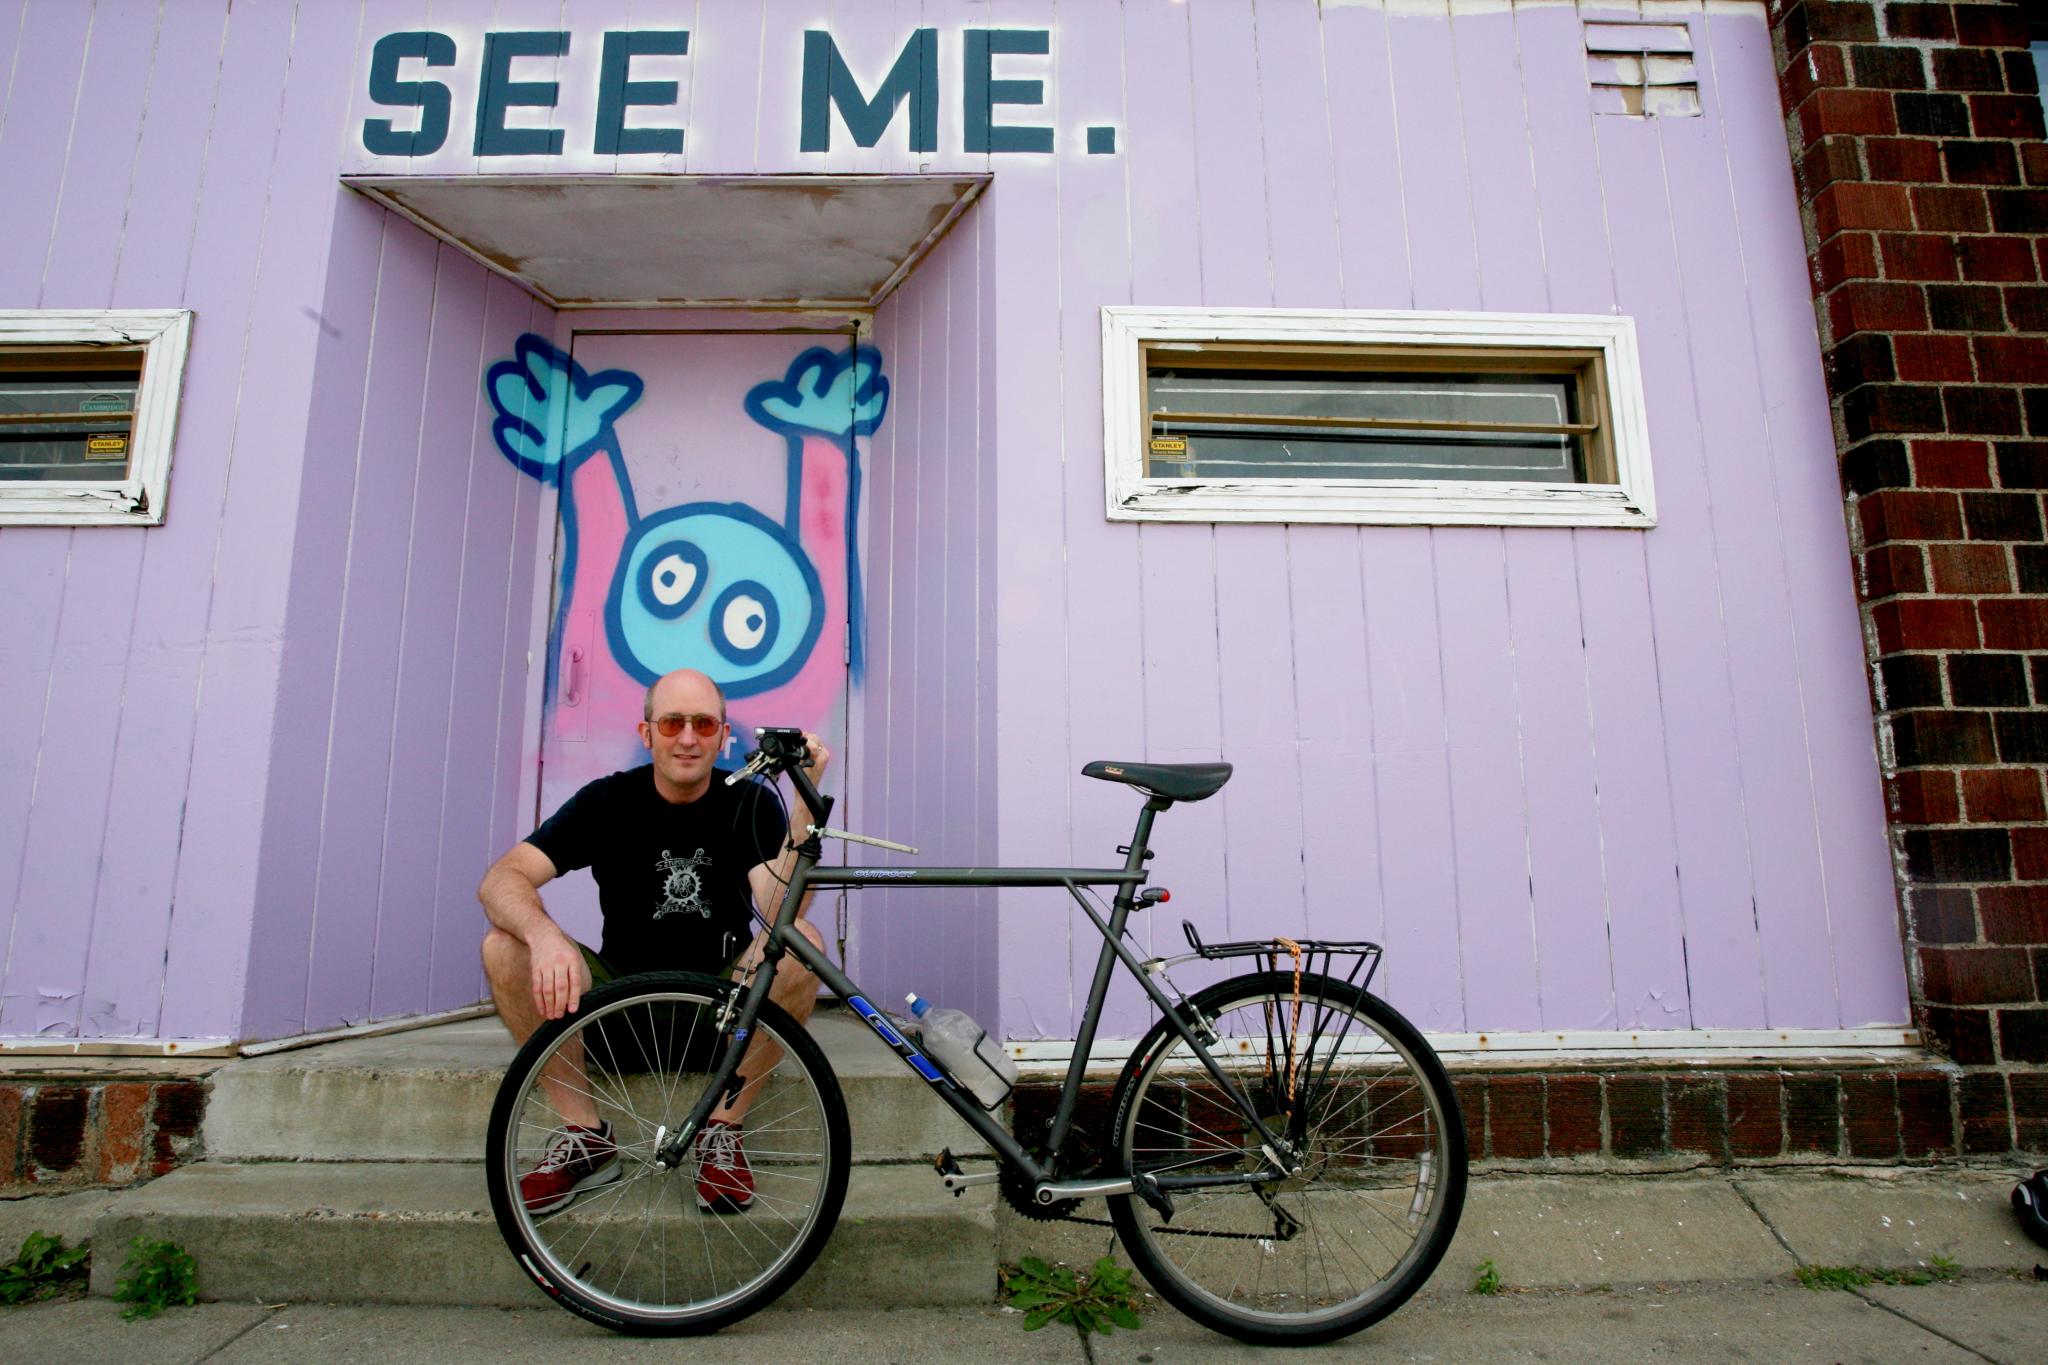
(957, 1180)
(1147, 1189)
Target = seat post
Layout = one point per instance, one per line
(1134, 860)
(1105, 963)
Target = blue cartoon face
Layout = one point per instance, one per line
(716, 587)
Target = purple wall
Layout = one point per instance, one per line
(138, 699)
(403, 701)
(158, 680)
(1573, 779)
(922, 747)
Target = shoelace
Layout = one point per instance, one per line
(721, 1143)
(567, 1147)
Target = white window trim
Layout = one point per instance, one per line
(1380, 502)
(138, 499)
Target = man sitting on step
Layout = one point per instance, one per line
(636, 830)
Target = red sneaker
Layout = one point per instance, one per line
(577, 1160)
(725, 1183)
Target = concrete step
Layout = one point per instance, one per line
(422, 1233)
(426, 1095)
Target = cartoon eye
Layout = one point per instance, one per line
(744, 621)
(673, 578)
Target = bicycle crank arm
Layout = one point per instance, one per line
(1053, 1190)
(1146, 1187)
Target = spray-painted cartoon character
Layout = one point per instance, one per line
(716, 586)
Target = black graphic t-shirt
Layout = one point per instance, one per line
(671, 878)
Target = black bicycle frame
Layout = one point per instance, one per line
(809, 875)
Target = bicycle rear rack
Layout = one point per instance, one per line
(1317, 954)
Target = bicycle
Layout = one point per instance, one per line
(1287, 1158)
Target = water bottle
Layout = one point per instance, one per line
(966, 1050)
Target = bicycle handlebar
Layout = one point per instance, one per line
(783, 750)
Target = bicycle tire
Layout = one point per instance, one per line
(1374, 1119)
(638, 1255)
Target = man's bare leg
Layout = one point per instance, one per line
(796, 990)
(507, 968)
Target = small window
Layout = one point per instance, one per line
(1642, 70)
(1374, 417)
(88, 405)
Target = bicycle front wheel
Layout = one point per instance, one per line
(639, 1250)
(1363, 1220)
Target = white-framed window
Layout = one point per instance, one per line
(1379, 418)
(88, 409)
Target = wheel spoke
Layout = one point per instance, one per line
(637, 1248)
(1330, 1246)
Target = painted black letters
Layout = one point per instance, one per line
(615, 93)
(429, 97)
(983, 94)
(827, 81)
(500, 92)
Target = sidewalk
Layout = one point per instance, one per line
(1972, 1321)
(1596, 1268)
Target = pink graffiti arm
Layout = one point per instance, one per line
(597, 517)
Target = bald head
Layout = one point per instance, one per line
(683, 692)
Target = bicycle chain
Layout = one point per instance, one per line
(1022, 1197)
(1275, 1236)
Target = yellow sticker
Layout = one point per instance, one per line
(1169, 447)
(108, 447)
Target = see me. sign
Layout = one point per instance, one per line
(516, 94)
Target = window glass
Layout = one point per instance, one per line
(67, 416)
(1373, 417)
(89, 414)
(1372, 424)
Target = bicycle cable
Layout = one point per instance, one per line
(1294, 1021)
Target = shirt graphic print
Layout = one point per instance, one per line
(682, 890)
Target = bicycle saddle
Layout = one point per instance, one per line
(1175, 781)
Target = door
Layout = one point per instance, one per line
(709, 496)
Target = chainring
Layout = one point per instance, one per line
(1020, 1192)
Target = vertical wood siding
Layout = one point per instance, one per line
(129, 840)
(173, 800)
(921, 751)
(1572, 779)
(405, 647)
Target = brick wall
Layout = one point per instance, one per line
(64, 1132)
(1916, 132)
(1635, 1116)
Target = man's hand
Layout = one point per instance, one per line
(559, 974)
(816, 756)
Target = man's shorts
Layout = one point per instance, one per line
(650, 1037)
(603, 973)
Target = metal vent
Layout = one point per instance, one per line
(1642, 70)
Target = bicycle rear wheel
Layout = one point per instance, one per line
(639, 1254)
(1372, 1117)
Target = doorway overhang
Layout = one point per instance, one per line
(836, 242)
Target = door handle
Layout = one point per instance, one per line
(575, 677)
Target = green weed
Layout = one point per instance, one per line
(156, 1276)
(1488, 1279)
(1939, 1269)
(1100, 1301)
(44, 1267)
